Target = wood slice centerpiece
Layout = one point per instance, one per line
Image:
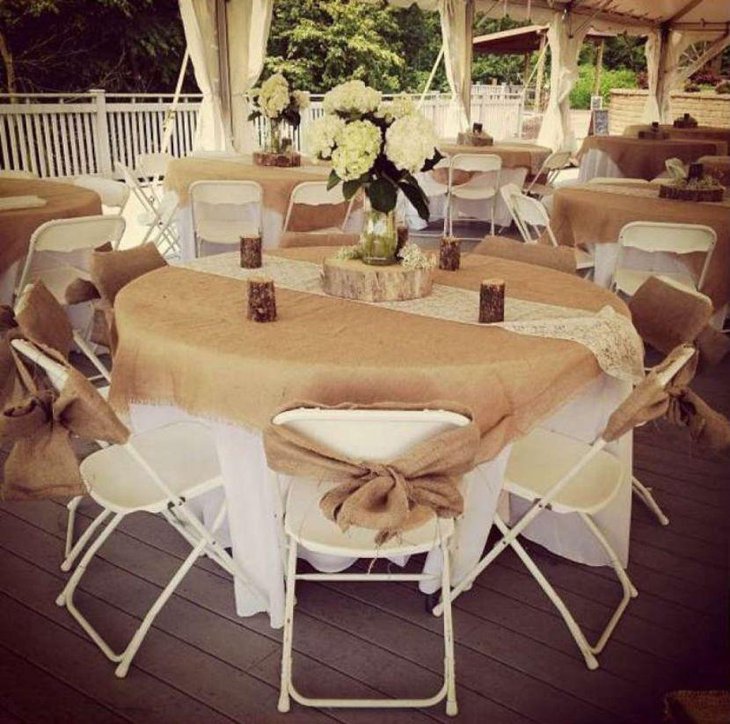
(651, 135)
(353, 279)
(283, 160)
(682, 193)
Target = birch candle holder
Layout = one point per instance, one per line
(251, 252)
(450, 253)
(261, 300)
(491, 301)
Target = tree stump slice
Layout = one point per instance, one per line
(679, 193)
(353, 279)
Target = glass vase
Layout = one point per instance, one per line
(275, 140)
(379, 236)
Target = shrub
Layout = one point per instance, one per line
(580, 97)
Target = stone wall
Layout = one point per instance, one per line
(709, 108)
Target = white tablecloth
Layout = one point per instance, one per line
(255, 505)
(595, 163)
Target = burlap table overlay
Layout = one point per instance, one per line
(709, 133)
(677, 403)
(559, 258)
(640, 158)
(206, 359)
(391, 496)
(42, 462)
(595, 214)
(17, 226)
(277, 183)
(517, 155)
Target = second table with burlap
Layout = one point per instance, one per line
(203, 358)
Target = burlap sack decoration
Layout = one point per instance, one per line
(113, 270)
(42, 320)
(666, 315)
(561, 258)
(42, 462)
(388, 497)
(676, 402)
(713, 345)
(80, 291)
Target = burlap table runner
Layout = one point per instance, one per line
(642, 158)
(595, 214)
(517, 155)
(277, 183)
(205, 358)
(701, 133)
(16, 226)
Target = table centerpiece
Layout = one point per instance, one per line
(690, 183)
(276, 103)
(376, 146)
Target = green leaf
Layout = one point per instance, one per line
(432, 161)
(333, 180)
(382, 195)
(254, 115)
(350, 188)
(414, 193)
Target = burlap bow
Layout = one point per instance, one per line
(676, 402)
(389, 497)
(42, 462)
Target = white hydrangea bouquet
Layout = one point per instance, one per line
(277, 103)
(376, 146)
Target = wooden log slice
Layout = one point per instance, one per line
(680, 193)
(285, 160)
(352, 279)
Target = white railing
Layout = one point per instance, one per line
(56, 135)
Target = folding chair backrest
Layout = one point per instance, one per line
(533, 217)
(152, 164)
(112, 193)
(372, 435)
(476, 162)
(556, 161)
(508, 192)
(226, 192)
(315, 193)
(148, 203)
(83, 232)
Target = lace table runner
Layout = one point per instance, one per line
(608, 335)
(648, 191)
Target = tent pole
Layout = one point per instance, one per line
(598, 68)
(169, 121)
(427, 87)
(540, 73)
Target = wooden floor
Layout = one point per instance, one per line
(515, 659)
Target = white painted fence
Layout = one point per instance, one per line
(56, 135)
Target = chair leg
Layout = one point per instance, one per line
(73, 552)
(494, 203)
(71, 506)
(452, 708)
(91, 356)
(644, 494)
(287, 644)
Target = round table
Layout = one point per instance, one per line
(700, 133)
(63, 201)
(202, 358)
(513, 155)
(621, 156)
(595, 214)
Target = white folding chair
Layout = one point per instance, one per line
(507, 192)
(114, 194)
(373, 435)
(478, 188)
(550, 169)
(653, 239)
(157, 472)
(315, 193)
(533, 222)
(224, 211)
(554, 472)
(158, 216)
(152, 167)
(618, 181)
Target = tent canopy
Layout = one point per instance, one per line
(521, 40)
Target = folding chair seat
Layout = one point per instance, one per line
(478, 188)
(555, 472)
(376, 436)
(224, 211)
(156, 472)
(534, 220)
(654, 241)
(313, 194)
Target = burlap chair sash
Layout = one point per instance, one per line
(42, 462)
(389, 497)
(677, 403)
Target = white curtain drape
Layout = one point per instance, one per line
(565, 43)
(653, 52)
(669, 76)
(225, 67)
(457, 17)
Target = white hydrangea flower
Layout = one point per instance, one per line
(358, 145)
(413, 258)
(410, 142)
(301, 99)
(400, 106)
(351, 97)
(273, 97)
(320, 137)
